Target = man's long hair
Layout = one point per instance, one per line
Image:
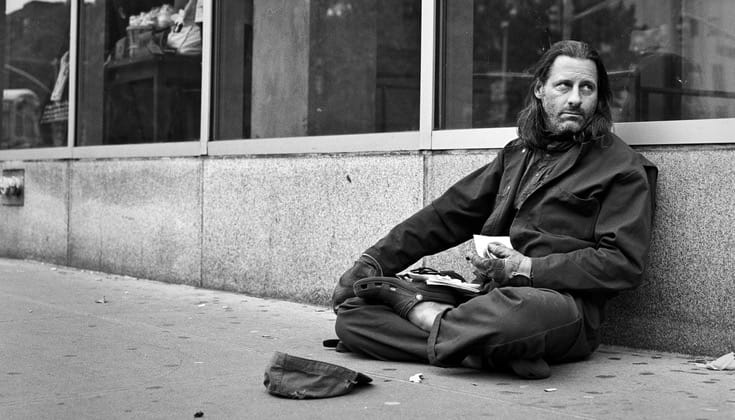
(531, 120)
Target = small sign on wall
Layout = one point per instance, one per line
(12, 187)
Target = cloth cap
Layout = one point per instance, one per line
(295, 377)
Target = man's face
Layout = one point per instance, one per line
(569, 96)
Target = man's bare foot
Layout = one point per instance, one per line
(424, 313)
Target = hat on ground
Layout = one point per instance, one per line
(295, 377)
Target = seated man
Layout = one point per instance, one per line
(577, 203)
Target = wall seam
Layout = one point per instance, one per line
(425, 162)
(69, 169)
(201, 221)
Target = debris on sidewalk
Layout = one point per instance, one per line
(103, 300)
(417, 378)
(549, 389)
(726, 362)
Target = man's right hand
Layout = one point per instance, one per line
(365, 266)
(506, 266)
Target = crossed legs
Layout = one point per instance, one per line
(501, 326)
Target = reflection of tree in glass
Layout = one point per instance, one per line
(609, 29)
(508, 37)
(511, 35)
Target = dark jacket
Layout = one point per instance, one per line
(587, 227)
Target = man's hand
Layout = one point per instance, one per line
(508, 267)
(365, 266)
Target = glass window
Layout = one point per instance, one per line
(5, 121)
(286, 68)
(35, 73)
(139, 71)
(19, 125)
(667, 59)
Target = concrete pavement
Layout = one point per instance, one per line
(84, 345)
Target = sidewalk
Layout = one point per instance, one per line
(85, 345)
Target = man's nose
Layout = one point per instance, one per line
(574, 99)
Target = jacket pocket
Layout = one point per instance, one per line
(563, 213)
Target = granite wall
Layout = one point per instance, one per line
(285, 227)
(38, 229)
(288, 226)
(137, 217)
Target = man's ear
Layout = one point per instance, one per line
(538, 91)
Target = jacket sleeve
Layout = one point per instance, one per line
(448, 221)
(623, 233)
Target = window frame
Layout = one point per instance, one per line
(653, 133)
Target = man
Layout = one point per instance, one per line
(577, 203)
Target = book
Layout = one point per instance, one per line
(455, 283)
(443, 280)
(434, 278)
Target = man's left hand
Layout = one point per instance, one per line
(507, 267)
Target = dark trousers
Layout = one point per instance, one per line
(505, 324)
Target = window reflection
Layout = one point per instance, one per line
(35, 74)
(319, 67)
(139, 71)
(667, 58)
